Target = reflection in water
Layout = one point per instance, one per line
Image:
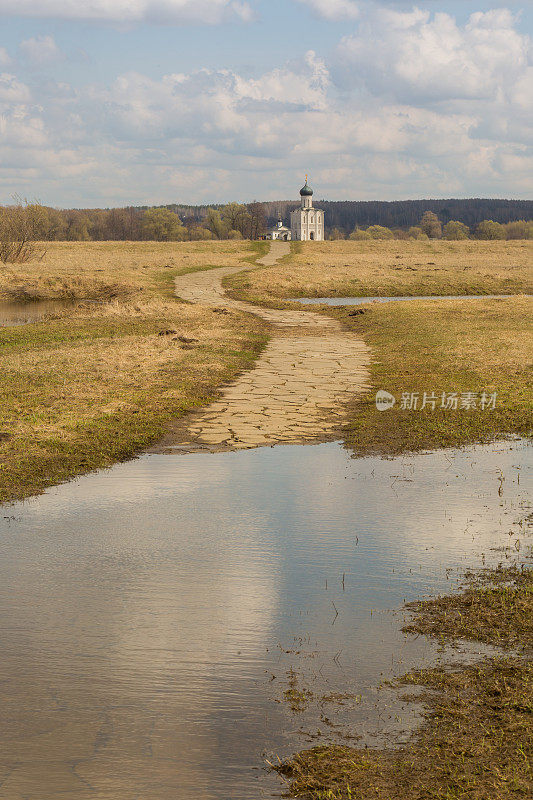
(357, 301)
(150, 613)
(22, 313)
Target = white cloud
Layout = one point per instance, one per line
(40, 50)
(211, 135)
(416, 57)
(5, 59)
(333, 10)
(177, 11)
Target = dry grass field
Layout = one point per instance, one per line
(100, 270)
(394, 268)
(98, 383)
(451, 346)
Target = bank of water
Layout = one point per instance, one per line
(357, 301)
(154, 615)
(16, 313)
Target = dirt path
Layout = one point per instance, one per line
(297, 392)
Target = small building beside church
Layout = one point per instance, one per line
(307, 222)
(280, 232)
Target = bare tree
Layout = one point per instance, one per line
(18, 233)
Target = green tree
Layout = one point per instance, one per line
(431, 225)
(359, 235)
(379, 232)
(237, 218)
(416, 233)
(218, 226)
(198, 234)
(488, 229)
(162, 225)
(454, 230)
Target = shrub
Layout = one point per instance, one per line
(455, 230)
(488, 229)
(359, 235)
(379, 232)
(417, 233)
(18, 233)
(519, 229)
(335, 234)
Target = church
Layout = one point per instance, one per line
(307, 222)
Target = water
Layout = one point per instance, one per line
(150, 614)
(23, 313)
(357, 301)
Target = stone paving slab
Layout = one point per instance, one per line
(297, 391)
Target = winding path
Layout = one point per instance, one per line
(297, 391)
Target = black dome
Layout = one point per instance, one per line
(306, 191)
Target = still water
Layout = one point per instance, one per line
(357, 301)
(23, 313)
(151, 614)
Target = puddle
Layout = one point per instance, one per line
(23, 313)
(357, 301)
(151, 614)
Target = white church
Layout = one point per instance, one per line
(307, 222)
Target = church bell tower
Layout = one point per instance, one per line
(307, 222)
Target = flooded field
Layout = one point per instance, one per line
(24, 313)
(153, 616)
(357, 301)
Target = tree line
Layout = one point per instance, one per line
(431, 227)
(22, 224)
(232, 221)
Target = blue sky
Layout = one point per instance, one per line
(111, 102)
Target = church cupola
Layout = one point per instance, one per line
(306, 191)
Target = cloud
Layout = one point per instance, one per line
(155, 11)
(373, 120)
(415, 56)
(40, 50)
(5, 58)
(334, 10)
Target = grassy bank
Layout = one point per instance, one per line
(451, 347)
(393, 269)
(99, 383)
(477, 739)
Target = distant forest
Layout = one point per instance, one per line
(349, 214)
(401, 219)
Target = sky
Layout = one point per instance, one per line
(146, 102)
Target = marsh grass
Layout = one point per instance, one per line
(477, 739)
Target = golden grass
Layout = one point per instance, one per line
(396, 268)
(97, 383)
(444, 346)
(93, 270)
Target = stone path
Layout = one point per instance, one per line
(299, 388)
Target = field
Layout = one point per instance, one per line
(393, 269)
(98, 383)
(104, 270)
(423, 346)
